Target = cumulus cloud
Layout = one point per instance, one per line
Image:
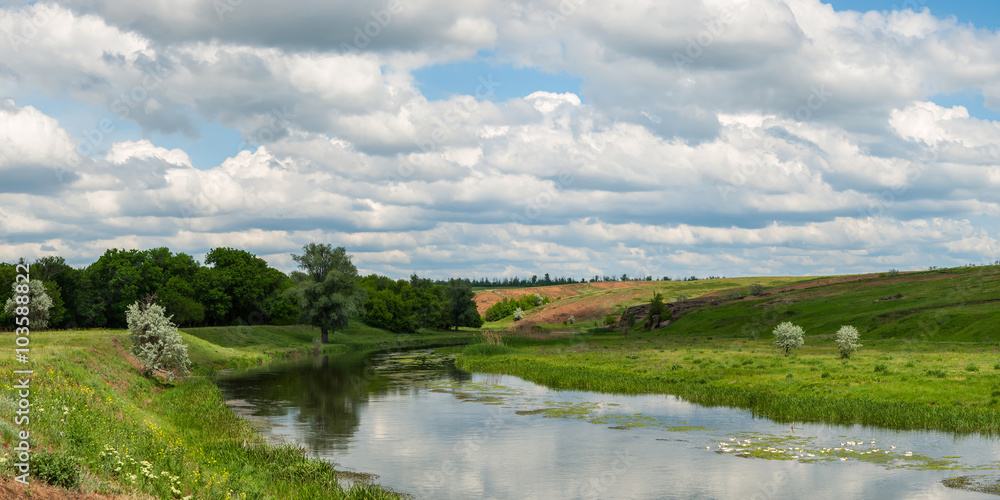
(713, 137)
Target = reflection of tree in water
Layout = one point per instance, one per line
(330, 393)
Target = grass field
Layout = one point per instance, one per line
(930, 357)
(97, 426)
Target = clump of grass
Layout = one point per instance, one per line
(972, 367)
(996, 366)
(881, 367)
(936, 373)
(57, 468)
(825, 375)
(789, 375)
(486, 350)
(910, 364)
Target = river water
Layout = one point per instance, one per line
(436, 432)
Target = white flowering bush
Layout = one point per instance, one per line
(538, 300)
(847, 340)
(788, 336)
(572, 319)
(38, 304)
(518, 314)
(155, 339)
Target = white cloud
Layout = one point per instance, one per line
(788, 138)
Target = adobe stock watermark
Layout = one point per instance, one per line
(445, 126)
(122, 106)
(22, 308)
(29, 29)
(712, 30)
(817, 98)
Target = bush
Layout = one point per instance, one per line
(518, 314)
(39, 302)
(155, 339)
(571, 319)
(755, 289)
(972, 367)
(847, 340)
(788, 336)
(682, 297)
(610, 320)
(57, 468)
(538, 300)
(892, 272)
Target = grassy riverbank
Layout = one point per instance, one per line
(930, 359)
(98, 426)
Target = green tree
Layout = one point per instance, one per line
(461, 306)
(657, 309)
(328, 291)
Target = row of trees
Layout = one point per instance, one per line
(546, 280)
(237, 287)
(232, 286)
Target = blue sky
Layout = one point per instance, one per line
(788, 142)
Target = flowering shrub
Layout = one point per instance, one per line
(155, 339)
(788, 336)
(847, 340)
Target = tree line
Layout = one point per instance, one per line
(235, 287)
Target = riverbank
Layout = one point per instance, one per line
(948, 386)
(98, 427)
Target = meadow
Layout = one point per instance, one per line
(929, 359)
(98, 426)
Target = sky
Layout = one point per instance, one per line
(496, 138)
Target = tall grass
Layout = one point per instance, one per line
(104, 428)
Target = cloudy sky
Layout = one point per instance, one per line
(506, 137)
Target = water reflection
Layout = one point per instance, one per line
(436, 432)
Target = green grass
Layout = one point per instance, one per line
(98, 426)
(920, 366)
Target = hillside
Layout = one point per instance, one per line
(958, 303)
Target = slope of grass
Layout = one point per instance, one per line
(930, 358)
(116, 432)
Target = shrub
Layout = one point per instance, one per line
(610, 320)
(788, 336)
(39, 302)
(155, 339)
(538, 300)
(518, 314)
(847, 340)
(755, 289)
(571, 319)
(682, 297)
(56, 468)
(892, 272)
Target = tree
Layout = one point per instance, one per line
(518, 314)
(788, 336)
(328, 291)
(155, 339)
(37, 301)
(657, 311)
(461, 306)
(847, 340)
